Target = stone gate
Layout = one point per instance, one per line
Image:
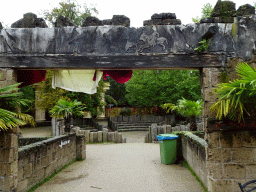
(154, 46)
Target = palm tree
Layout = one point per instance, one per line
(10, 102)
(237, 99)
(68, 110)
(186, 108)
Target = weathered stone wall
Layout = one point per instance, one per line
(8, 144)
(39, 160)
(230, 155)
(195, 155)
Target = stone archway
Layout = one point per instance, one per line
(125, 48)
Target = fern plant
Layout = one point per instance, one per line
(204, 45)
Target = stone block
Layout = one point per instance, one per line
(32, 180)
(20, 174)
(242, 155)
(218, 185)
(219, 155)
(115, 137)
(49, 169)
(11, 75)
(87, 136)
(213, 139)
(233, 171)
(119, 137)
(11, 168)
(45, 161)
(105, 132)
(154, 132)
(168, 128)
(124, 139)
(36, 165)
(230, 139)
(211, 77)
(3, 74)
(206, 112)
(248, 139)
(77, 130)
(7, 155)
(146, 138)
(41, 174)
(100, 136)
(27, 170)
(95, 137)
(109, 137)
(22, 185)
(12, 140)
(250, 171)
(91, 137)
(208, 94)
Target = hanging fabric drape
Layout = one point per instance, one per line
(120, 76)
(77, 80)
(28, 77)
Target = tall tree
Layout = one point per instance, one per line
(70, 9)
(156, 87)
(206, 12)
(117, 91)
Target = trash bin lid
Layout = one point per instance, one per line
(166, 137)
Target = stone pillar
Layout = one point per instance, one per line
(80, 147)
(39, 113)
(230, 154)
(8, 144)
(102, 115)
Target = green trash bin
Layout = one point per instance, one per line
(168, 148)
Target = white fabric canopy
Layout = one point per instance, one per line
(76, 80)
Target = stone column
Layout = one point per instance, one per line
(8, 143)
(102, 115)
(39, 113)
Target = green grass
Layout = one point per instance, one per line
(185, 163)
(51, 176)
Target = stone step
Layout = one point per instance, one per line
(128, 126)
(136, 122)
(136, 129)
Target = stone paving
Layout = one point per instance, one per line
(127, 167)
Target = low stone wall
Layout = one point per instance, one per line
(29, 140)
(193, 151)
(41, 159)
(100, 136)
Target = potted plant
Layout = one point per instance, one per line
(68, 110)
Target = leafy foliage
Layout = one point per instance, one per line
(10, 102)
(204, 45)
(237, 98)
(68, 110)
(206, 13)
(70, 10)
(186, 108)
(156, 87)
(116, 93)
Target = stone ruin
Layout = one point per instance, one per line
(225, 12)
(162, 19)
(29, 20)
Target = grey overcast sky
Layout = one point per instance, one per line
(136, 10)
